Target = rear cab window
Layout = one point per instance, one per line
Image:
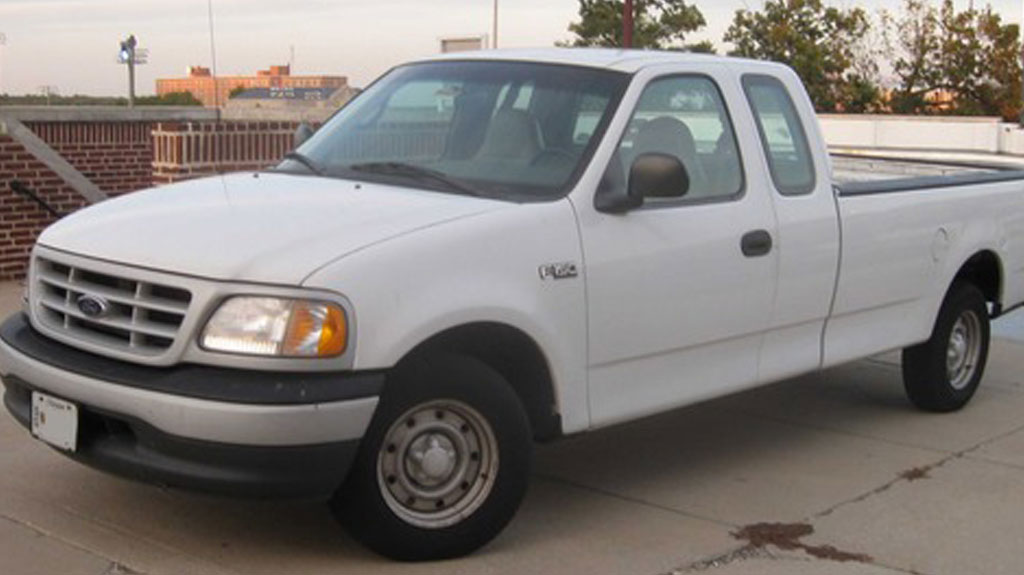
(782, 135)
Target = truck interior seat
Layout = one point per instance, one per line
(667, 135)
(513, 135)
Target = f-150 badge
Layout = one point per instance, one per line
(558, 271)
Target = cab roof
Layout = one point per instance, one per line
(628, 61)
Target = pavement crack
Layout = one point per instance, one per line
(743, 553)
(116, 568)
(916, 473)
(621, 497)
(120, 569)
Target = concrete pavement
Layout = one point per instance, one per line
(831, 473)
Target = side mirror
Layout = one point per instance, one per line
(656, 175)
(302, 133)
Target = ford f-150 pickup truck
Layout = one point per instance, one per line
(485, 250)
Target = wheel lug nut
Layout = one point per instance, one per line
(392, 479)
(439, 414)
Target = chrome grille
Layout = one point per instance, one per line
(136, 316)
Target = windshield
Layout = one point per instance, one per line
(506, 130)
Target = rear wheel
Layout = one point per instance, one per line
(444, 465)
(943, 373)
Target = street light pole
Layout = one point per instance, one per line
(3, 42)
(494, 30)
(127, 56)
(627, 24)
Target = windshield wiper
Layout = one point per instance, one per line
(416, 172)
(305, 161)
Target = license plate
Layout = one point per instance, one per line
(55, 421)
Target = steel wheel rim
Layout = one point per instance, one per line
(963, 350)
(437, 464)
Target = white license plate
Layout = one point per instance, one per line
(55, 421)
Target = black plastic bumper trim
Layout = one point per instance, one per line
(197, 381)
(131, 448)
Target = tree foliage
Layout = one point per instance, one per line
(169, 99)
(824, 44)
(172, 99)
(945, 61)
(657, 24)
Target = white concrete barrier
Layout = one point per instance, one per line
(952, 133)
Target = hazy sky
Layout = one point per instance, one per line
(72, 44)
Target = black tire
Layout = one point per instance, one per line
(430, 401)
(932, 384)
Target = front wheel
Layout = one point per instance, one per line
(943, 373)
(444, 465)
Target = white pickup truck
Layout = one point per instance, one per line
(483, 250)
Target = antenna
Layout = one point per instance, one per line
(213, 58)
(215, 142)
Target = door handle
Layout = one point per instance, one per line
(756, 243)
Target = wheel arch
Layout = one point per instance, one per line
(515, 356)
(985, 271)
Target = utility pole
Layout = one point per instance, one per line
(49, 92)
(627, 24)
(494, 25)
(3, 42)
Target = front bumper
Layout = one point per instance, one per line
(220, 430)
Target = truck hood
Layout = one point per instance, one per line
(265, 227)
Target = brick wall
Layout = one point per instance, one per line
(185, 150)
(121, 151)
(21, 219)
(117, 157)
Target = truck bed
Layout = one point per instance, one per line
(849, 168)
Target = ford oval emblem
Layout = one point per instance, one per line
(93, 306)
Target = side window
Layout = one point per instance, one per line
(685, 117)
(782, 135)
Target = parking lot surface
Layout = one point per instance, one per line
(829, 473)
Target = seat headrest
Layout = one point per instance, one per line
(513, 134)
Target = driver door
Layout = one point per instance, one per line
(677, 300)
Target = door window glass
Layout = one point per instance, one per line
(685, 117)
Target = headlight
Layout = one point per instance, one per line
(276, 326)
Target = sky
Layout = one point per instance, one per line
(71, 45)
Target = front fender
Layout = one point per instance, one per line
(483, 268)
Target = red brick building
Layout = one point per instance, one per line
(216, 91)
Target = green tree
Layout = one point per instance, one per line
(948, 61)
(913, 42)
(824, 44)
(657, 24)
(170, 99)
